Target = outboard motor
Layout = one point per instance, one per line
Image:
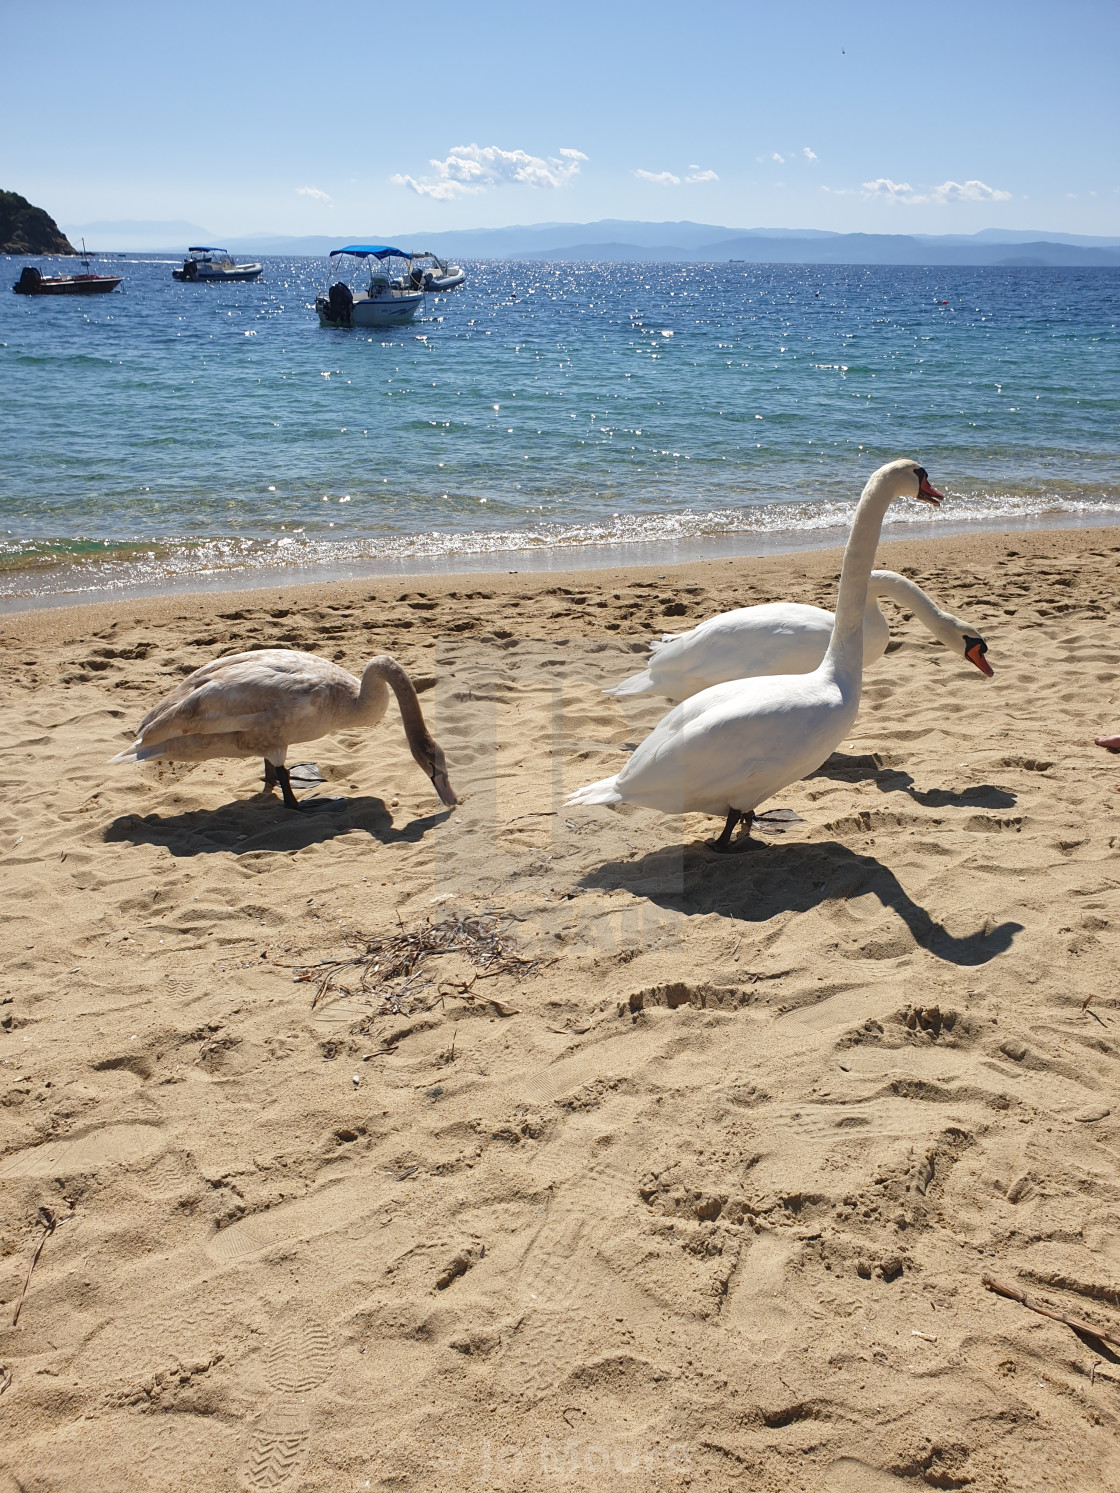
(29, 281)
(340, 301)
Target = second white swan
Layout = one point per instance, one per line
(787, 637)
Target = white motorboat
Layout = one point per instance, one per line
(214, 264)
(389, 298)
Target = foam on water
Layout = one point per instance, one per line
(184, 433)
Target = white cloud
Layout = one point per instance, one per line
(469, 169)
(949, 191)
(969, 191)
(315, 193)
(776, 156)
(667, 179)
(891, 191)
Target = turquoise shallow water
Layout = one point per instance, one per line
(172, 432)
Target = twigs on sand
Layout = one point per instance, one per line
(49, 1223)
(1087, 1329)
(396, 977)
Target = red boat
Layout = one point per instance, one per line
(33, 282)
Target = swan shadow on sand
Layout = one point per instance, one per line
(773, 879)
(262, 823)
(857, 767)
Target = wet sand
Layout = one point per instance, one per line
(702, 1195)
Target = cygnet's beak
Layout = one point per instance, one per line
(927, 493)
(442, 785)
(975, 655)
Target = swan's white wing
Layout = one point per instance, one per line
(777, 638)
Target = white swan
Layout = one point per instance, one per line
(787, 637)
(727, 749)
(257, 704)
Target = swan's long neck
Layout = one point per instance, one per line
(844, 659)
(906, 594)
(416, 731)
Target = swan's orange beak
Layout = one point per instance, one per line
(975, 655)
(927, 493)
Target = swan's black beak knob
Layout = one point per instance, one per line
(927, 493)
(975, 650)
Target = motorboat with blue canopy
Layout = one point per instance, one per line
(393, 294)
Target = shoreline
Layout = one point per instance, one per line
(807, 575)
(552, 562)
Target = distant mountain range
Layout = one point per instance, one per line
(618, 239)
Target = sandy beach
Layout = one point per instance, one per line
(678, 1171)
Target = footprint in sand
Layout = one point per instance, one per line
(299, 1358)
(120, 1145)
(331, 1207)
(277, 1445)
(183, 986)
(563, 1283)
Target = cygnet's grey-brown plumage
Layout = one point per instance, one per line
(258, 704)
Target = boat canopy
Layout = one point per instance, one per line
(368, 251)
(205, 249)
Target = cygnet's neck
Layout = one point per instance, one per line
(386, 670)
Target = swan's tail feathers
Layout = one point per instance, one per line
(138, 752)
(637, 684)
(605, 791)
(664, 640)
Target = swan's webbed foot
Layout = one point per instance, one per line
(725, 845)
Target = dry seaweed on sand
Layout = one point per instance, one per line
(1079, 1325)
(48, 1222)
(395, 974)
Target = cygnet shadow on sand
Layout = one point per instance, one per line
(263, 823)
(773, 879)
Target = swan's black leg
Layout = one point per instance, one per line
(270, 778)
(733, 817)
(286, 787)
(724, 844)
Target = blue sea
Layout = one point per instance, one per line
(172, 435)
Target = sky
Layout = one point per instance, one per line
(293, 116)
